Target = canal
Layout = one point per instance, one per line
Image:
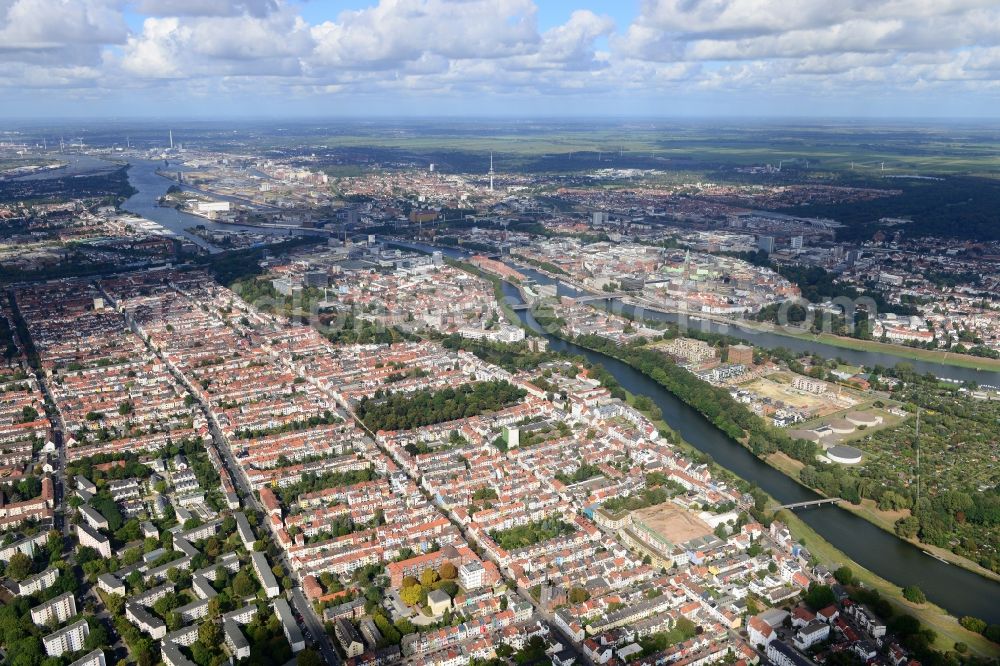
(955, 589)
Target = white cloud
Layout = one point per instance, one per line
(31, 30)
(245, 45)
(258, 8)
(395, 32)
(480, 48)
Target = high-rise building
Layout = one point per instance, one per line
(67, 639)
(765, 244)
(742, 354)
(60, 608)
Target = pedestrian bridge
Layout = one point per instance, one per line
(803, 505)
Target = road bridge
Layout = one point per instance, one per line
(601, 297)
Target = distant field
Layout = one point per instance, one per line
(819, 148)
(903, 149)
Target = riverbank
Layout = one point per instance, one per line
(791, 467)
(931, 355)
(884, 520)
(505, 308)
(968, 361)
(954, 588)
(854, 344)
(946, 627)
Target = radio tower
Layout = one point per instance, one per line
(492, 172)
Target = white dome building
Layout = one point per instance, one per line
(845, 455)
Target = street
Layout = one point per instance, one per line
(247, 498)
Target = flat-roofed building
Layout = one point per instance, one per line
(145, 621)
(184, 636)
(172, 656)
(471, 575)
(780, 654)
(93, 517)
(288, 624)
(237, 643)
(244, 530)
(242, 615)
(85, 483)
(264, 573)
(37, 583)
(111, 584)
(349, 638)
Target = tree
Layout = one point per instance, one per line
(242, 585)
(973, 624)
(578, 595)
(412, 595)
(309, 657)
(174, 621)
(115, 604)
(448, 571)
(914, 594)
(201, 653)
(908, 527)
(428, 578)
(19, 566)
(54, 544)
(844, 575)
(98, 636)
(819, 596)
(209, 633)
(404, 626)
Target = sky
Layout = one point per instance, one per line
(505, 58)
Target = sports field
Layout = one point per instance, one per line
(675, 524)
